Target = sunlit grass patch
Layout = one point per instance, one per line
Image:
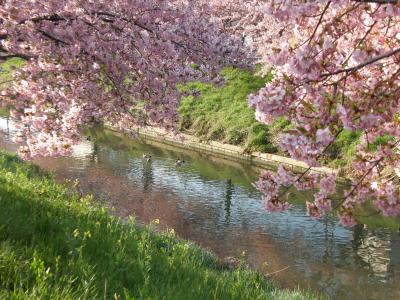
(223, 114)
(6, 69)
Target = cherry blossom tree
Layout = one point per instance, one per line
(96, 60)
(338, 69)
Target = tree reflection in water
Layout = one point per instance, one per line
(228, 199)
(147, 175)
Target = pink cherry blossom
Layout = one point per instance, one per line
(336, 68)
(100, 61)
(347, 220)
(313, 211)
(284, 177)
(327, 184)
(276, 206)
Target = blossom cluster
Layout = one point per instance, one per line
(105, 61)
(340, 71)
(336, 66)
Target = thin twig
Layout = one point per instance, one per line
(362, 65)
(319, 21)
(281, 270)
(377, 1)
(309, 168)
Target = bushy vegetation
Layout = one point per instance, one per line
(222, 113)
(54, 244)
(343, 150)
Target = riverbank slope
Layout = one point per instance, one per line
(55, 244)
(222, 114)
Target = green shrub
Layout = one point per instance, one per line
(260, 139)
(222, 113)
(343, 150)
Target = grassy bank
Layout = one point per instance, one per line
(222, 113)
(57, 245)
(6, 69)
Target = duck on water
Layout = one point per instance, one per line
(146, 157)
(179, 162)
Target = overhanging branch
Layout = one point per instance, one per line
(377, 1)
(364, 64)
(7, 56)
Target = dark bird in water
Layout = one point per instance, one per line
(146, 157)
(179, 162)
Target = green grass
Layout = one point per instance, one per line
(222, 113)
(56, 245)
(6, 70)
(343, 151)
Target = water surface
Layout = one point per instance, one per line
(212, 202)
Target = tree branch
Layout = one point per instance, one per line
(353, 190)
(19, 55)
(377, 1)
(53, 18)
(48, 35)
(319, 21)
(361, 41)
(364, 64)
(4, 54)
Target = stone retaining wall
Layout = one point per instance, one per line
(266, 160)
